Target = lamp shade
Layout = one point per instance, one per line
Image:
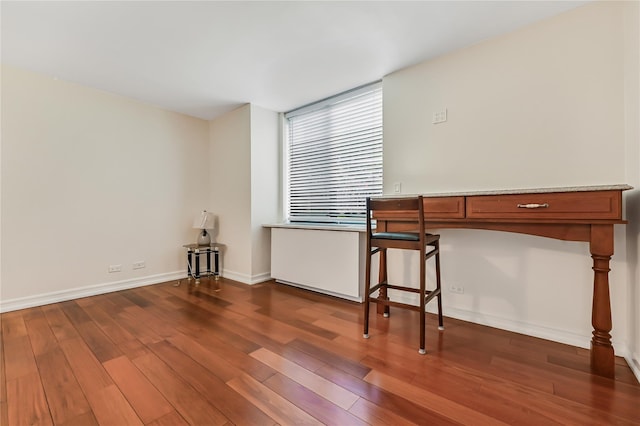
(206, 220)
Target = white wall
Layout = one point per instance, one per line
(91, 179)
(265, 188)
(230, 189)
(632, 137)
(534, 107)
(540, 107)
(244, 188)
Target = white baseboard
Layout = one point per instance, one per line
(260, 278)
(634, 364)
(509, 324)
(93, 290)
(321, 291)
(553, 334)
(79, 292)
(245, 278)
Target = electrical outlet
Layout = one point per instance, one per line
(139, 264)
(115, 268)
(454, 289)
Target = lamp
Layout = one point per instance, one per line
(205, 221)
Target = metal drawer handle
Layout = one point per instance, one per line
(533, 206)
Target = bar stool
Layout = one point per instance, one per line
(411, 209)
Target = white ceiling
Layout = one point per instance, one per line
(204, 58)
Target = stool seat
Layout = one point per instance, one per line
(379, 242)
(406, 236)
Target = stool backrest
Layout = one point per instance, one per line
(410, 209)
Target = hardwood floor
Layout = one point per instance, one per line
(272, 354)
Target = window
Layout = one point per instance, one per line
(334, 157)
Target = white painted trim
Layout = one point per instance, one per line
(553, 334)
(634, 364)
(236, 276)
(321, 291)
(260, 278)
(547, 333)
(92, 290)
(245, 278)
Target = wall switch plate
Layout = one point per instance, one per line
(139, 264)
(440, 116)
(115, 268)
(397, 188)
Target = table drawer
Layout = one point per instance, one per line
(434, 208)
(572, 205)
(443, 207)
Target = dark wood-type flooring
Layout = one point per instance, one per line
(272, 354)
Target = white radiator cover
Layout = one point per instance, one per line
(327, 261)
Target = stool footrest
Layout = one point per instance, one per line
(431, 294)
(399, 287)
(387, 302)
(404, 288)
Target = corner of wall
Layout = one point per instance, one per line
(632, 151)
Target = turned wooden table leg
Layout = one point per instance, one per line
(602, 355)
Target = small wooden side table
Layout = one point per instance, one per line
(194, 251)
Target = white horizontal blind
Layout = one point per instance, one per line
(335, 157)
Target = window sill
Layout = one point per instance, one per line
(344, 227)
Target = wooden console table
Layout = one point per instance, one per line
(585, 213)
